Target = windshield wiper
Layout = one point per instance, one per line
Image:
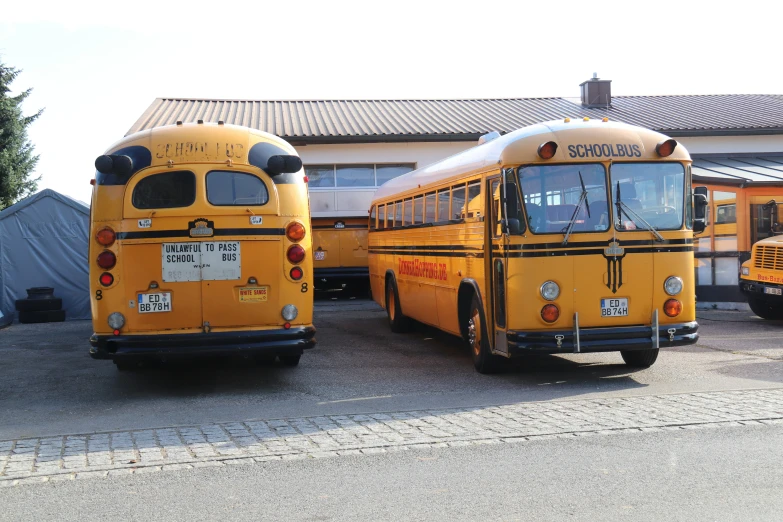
(631, 213)
(582, 200)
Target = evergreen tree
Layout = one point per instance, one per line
(17, 160)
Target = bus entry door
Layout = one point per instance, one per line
(498, 263)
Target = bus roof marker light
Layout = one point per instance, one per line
(567, 120)
(586, 118)
(666, 147)
(547, 150)
(605, 119)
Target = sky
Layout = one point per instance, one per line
(94, 67)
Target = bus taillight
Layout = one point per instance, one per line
(296, 254)
(106, 279)
(672, 307)
(550, 313)
(296, 273)
(105, 236)
(666, 147)
(547, 150)
(107, 260)
(295, 232)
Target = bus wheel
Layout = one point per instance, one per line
(397, 321)
(478, 342)
(765, 311)
(640, 358)
(290, 360)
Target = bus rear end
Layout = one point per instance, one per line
(201, 247)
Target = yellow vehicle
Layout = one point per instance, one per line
(562, 237)
(761, 277)
(201, 245)
(340, 253)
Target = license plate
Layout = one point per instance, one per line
(253, 294)
(154, 303)
(319, 255)
(773, 291)
(201, 261)
(617, 307)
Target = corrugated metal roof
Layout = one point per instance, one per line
(334, 121)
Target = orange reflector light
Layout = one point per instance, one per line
(106, 279)
(116, 332)
(672, 307)
(295, 231)
(296, 273)
(547, 150)
(550, 313)
(287, 326)
(106, 260)
(105, 236)
(296, 254)
(666, 147)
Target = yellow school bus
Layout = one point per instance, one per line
(563, 237)
(200, 245)
(761, 276)
(340, 253)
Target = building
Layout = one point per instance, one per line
(350, 147)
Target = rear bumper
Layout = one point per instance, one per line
(347, 272)
(278, 342)
(758, 291)
(602, 339)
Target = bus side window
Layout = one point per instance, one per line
(381, 217)
(474, 201)
(444, 197)
(372, 218)
(418, 210)
(429, 208)
(458, 202)
(398, 215)
(406, 211)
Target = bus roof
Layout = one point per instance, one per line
(577, 140)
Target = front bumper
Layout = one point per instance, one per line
(590, 340)
(758, 291)
(280, 341)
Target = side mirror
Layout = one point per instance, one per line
(699, 211)
(283, 165)
(511, 226)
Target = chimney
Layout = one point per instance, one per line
(596, 92)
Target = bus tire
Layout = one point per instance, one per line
(478, 341)
(398, 322)
(765, 311)
(290, 360)
(640, 358)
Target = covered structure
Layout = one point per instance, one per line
(43, 242)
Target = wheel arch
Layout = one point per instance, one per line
(467, 289)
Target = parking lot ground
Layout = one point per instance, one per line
(50, 386)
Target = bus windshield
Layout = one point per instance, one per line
(647, 195)
(552, 194)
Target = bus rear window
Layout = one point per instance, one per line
(227, 188)
(167, 190)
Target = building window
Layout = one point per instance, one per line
(354, 176)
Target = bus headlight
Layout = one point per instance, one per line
(116, 320)
(745, 270)
(673, 285)
(289, 312)
(550, 291)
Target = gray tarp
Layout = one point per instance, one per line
(43, 242)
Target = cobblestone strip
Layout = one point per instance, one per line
(105, 454)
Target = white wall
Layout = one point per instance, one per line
(329, 202)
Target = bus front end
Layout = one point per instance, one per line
(761, 278)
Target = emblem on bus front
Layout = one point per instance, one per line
(201, 228)
(339, 224)
(614, 255)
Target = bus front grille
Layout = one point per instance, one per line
(769, 257)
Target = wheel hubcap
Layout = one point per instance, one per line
(474, 333)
